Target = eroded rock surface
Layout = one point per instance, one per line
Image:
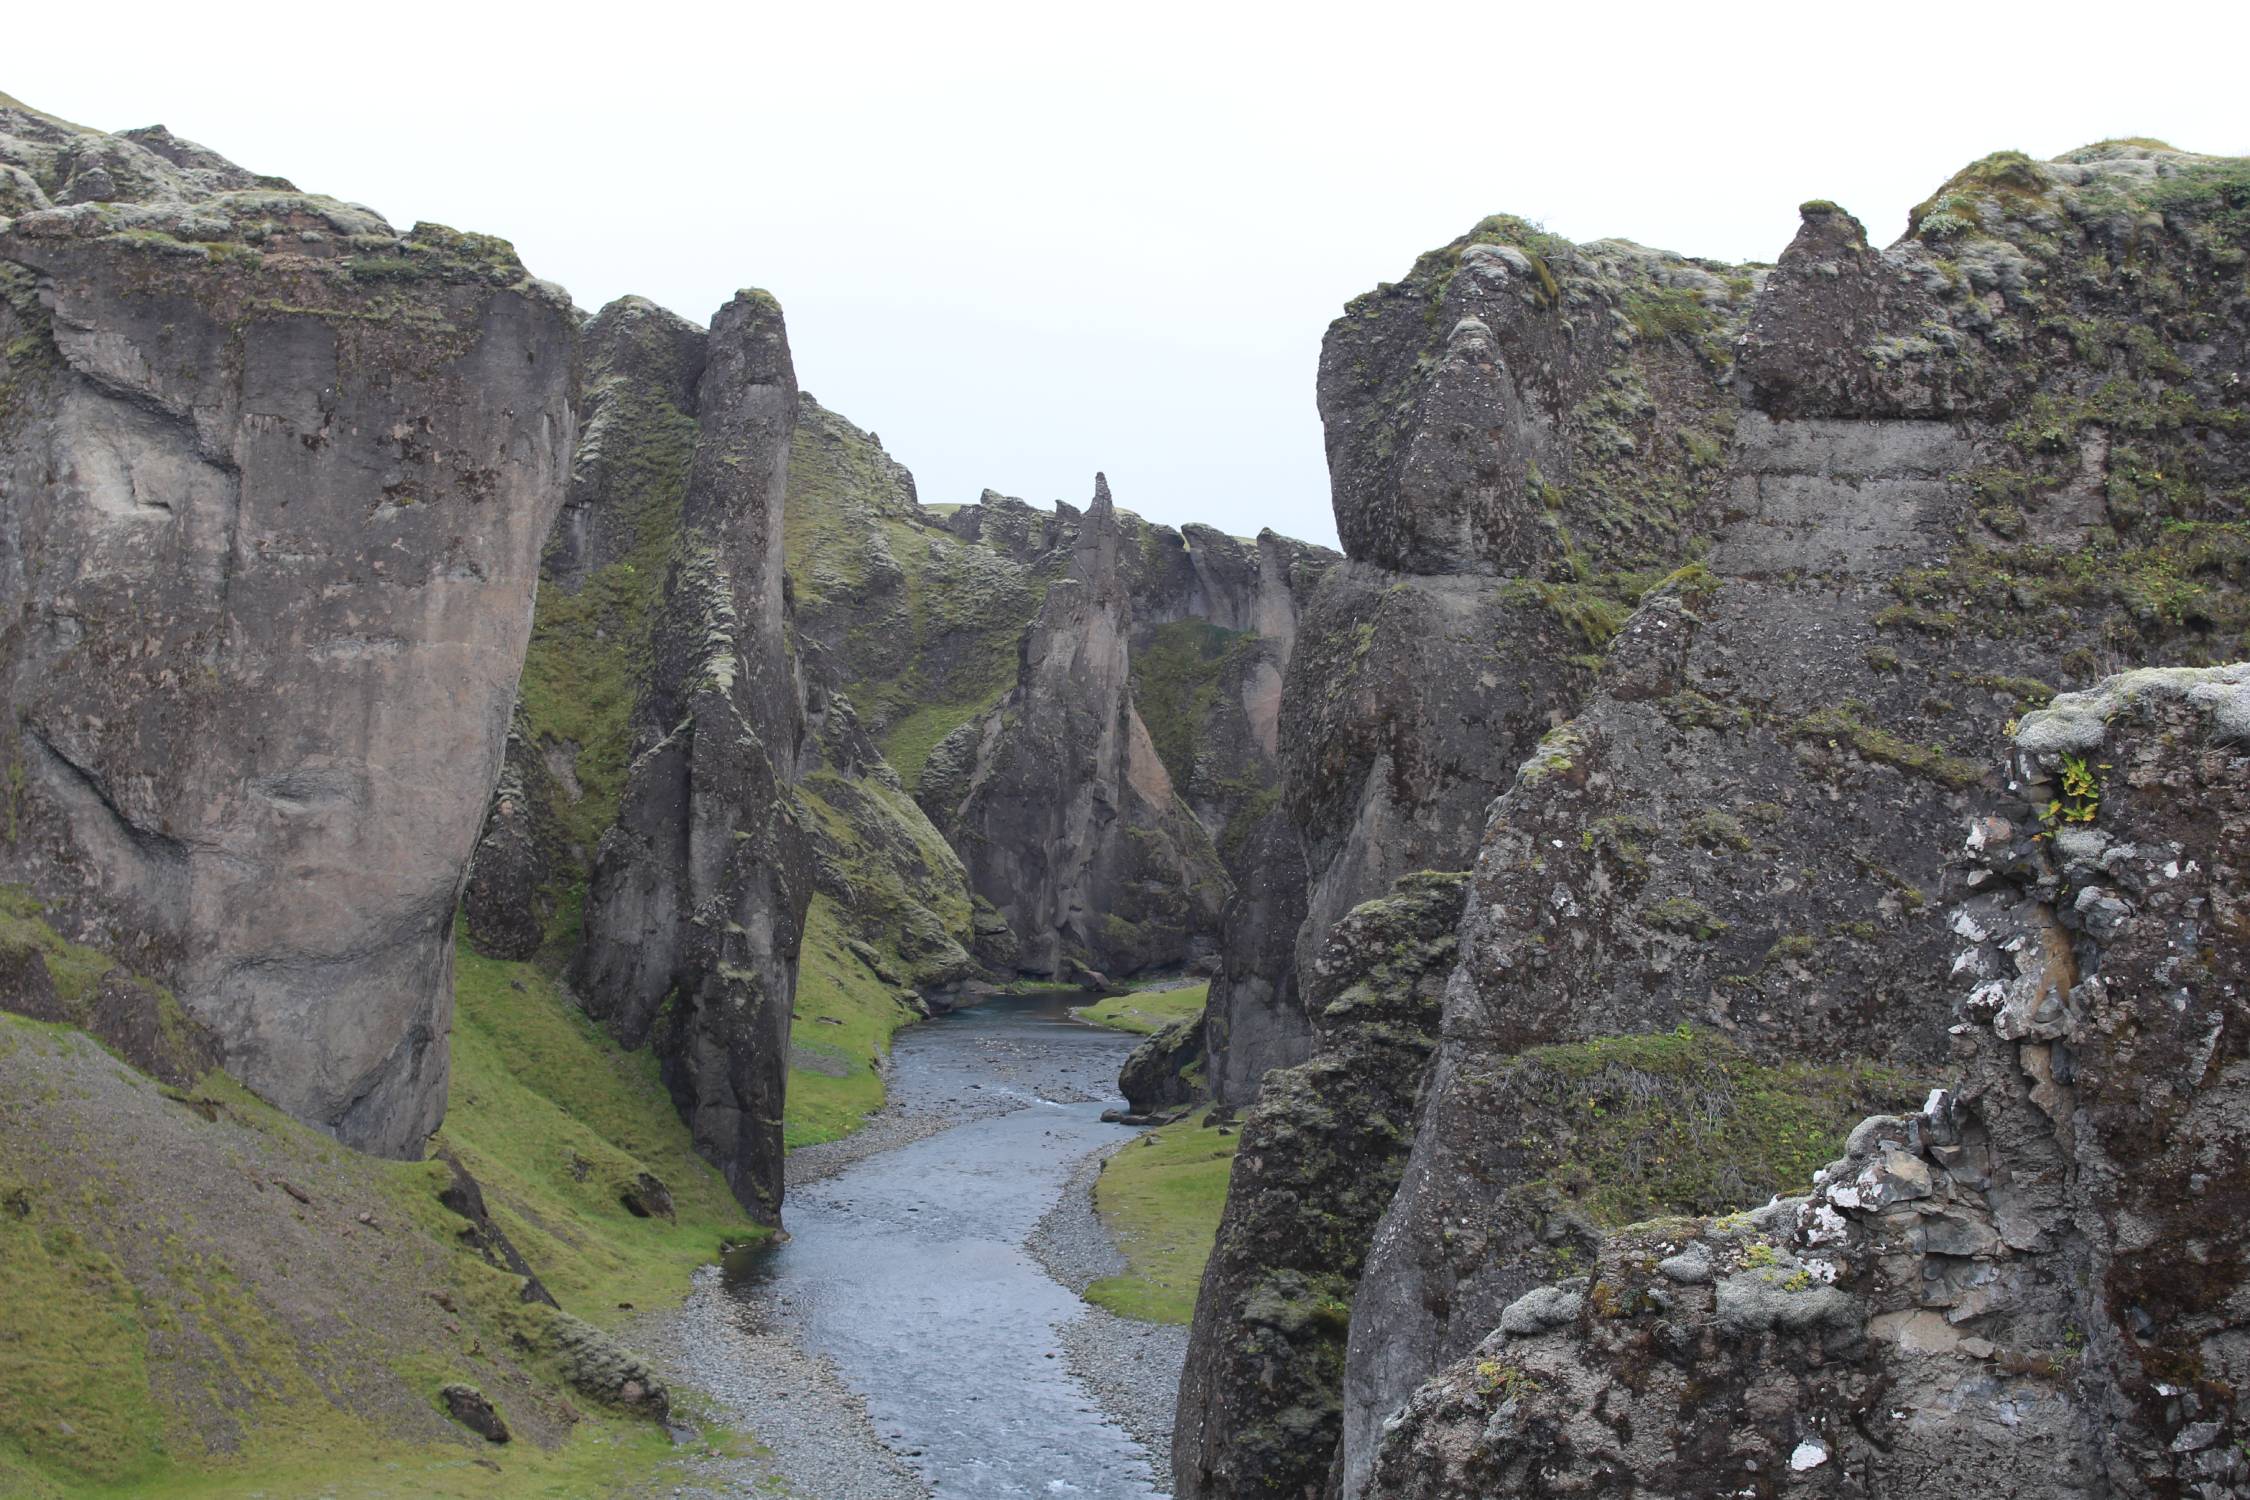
(2025, 1288)
(274, 479)
(696, 909)
(1260, 1399)
(1742, 832)
(1069, 824)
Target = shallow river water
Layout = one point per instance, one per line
(908, 1269)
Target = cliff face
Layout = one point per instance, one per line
(1921, 531)
(1517, 432)
(1260, 1407)
(696, 907)
(276, 479)
(2025, 1288)
(920, 618)
(1519, 435)
(1744, 645)
(600, 581)
(1069, 823)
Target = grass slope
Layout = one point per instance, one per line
(209, 1299)
(841, 1029)
(1160, 1198)
(554, 1120)
(1146, 1012)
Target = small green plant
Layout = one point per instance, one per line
(2081, 795)
(1505, 1381)
(1759, 1256)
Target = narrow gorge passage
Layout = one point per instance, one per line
(909, 1269)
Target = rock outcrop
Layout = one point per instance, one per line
(1260, 1400)
(1737, 661)
(916, 615)
(1743, 829)
(697, 904)
(274, 479)
(1518, 433)
(2028, 1287)
(1069, 823)
(600, 585)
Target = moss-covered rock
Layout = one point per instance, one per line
(1960, 478)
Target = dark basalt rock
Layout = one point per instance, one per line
(468, 1406)
(1742, 830)
(1070, 825)
(276, 480)
(1163, 1072)
(1260, 1398)
(696, 909)
(2019, 1289)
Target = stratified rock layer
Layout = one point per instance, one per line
(2029, 1288)
(273, 483)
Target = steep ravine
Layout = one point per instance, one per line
(484, 785)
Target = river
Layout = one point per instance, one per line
(907, 1270)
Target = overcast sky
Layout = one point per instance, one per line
(1023, 243)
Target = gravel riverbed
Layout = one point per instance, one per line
(749, 1361)
(1133, 1368)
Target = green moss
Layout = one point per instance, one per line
(1161, 1198)
(1176, 677)
(1624, 836)
(1684, 1122)
(2185, 581)
(1592, 612)
(844, 1019)
(897, 883)
(1717, 830)
(1146, 1011)
(76, 970)
(73, 1358)
(136, 1360)
(589, 651)
(1668, 312)
(1844, 725)
(1684, 915)
(2215, 191)
(914, 734)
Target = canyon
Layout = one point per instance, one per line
(1722, 908)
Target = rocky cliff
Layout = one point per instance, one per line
(696, 908)
(1517, 434)
(2001, 454)
(1260, 1408)
(1898, 495)
(2028, 1286)
(1068, 820)
(276, 479)
(920, 617)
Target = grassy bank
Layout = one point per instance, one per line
(845, 1018)
(1146, 1011)
(556, 1121)
(1160, 1198)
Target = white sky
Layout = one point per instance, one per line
(1026, 242)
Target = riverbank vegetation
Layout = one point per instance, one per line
(1160, 1198)
(1145, 1012)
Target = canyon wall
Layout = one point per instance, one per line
(1710, 911)
(695, 911)
(2028, 1286)
(274, 479)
